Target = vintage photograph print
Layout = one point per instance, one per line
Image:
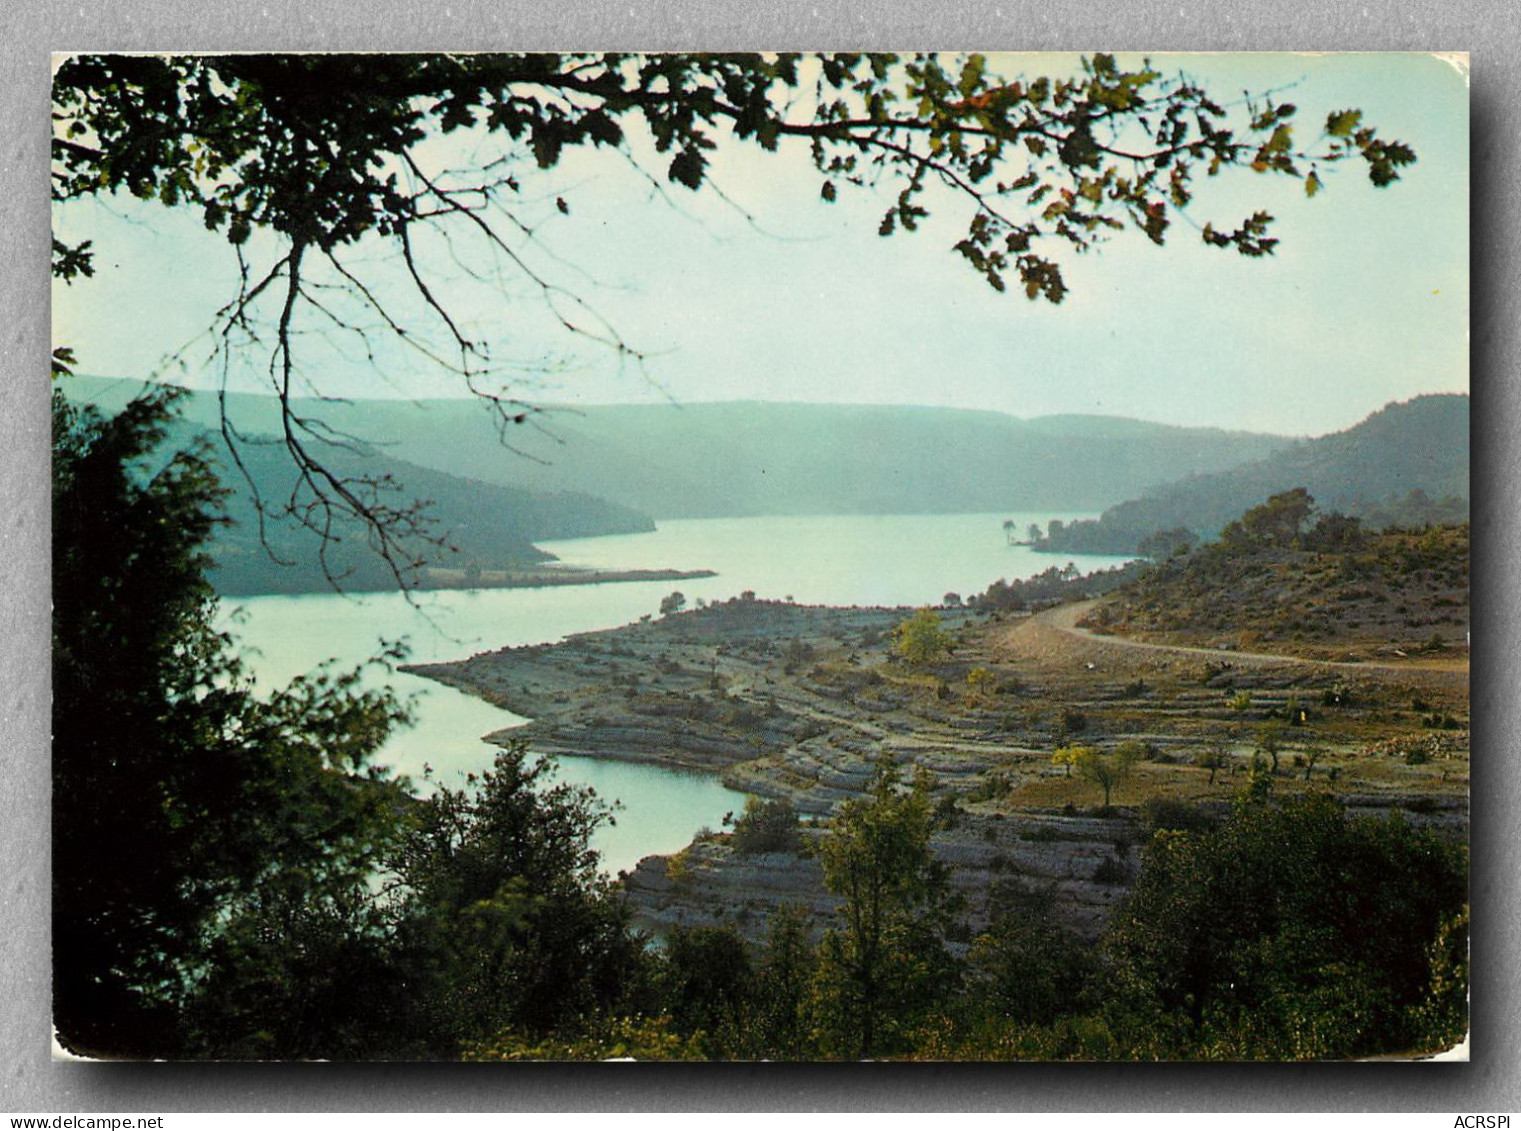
(943, 557)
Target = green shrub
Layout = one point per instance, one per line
(994, 784)
(920, 639)
(1291, 930)
(766, 826)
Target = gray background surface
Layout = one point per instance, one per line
(30, 1082)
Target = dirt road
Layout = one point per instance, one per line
(1053, 637)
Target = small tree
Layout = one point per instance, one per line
(1071, 721)
(1067, 756)
(1106, 770)
(920, 639)
(673, 603)
(1281, 520)
(1213, 758)
(1336, 533)
(1312, 754)
(1293, 713)
(515, 927)
(979, 682)
(1166, 544)
(886, 964)
(1270, 741)
(709, 984)
(1025, 968)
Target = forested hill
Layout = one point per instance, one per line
(1407, 464)
(751, 458)
(470, 523)
(481, 525)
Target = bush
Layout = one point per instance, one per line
(1072, 721)
(766, 826)
(920, 639)
(1135, 750)
(1440, 721)
(1294, 713)
(796, 653)
(994, 784)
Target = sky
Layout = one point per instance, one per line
(765, 292)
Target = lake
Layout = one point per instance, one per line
(837, 560)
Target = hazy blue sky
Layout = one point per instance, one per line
(1366, 300)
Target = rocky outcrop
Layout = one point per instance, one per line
(1085, 861)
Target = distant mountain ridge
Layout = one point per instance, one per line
(737, 459)
(755, 458)
(1407, 462)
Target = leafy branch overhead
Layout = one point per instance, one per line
(315, 146)
(329, 153)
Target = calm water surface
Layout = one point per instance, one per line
(843, 560)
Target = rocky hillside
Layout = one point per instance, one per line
(803, 704)
(1397, 592)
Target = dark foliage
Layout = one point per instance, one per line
(504, 913)
(180, 797)
(1053, 586)
(1025, 968)
(710, 987)
(232, 878)
(1292, 932)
